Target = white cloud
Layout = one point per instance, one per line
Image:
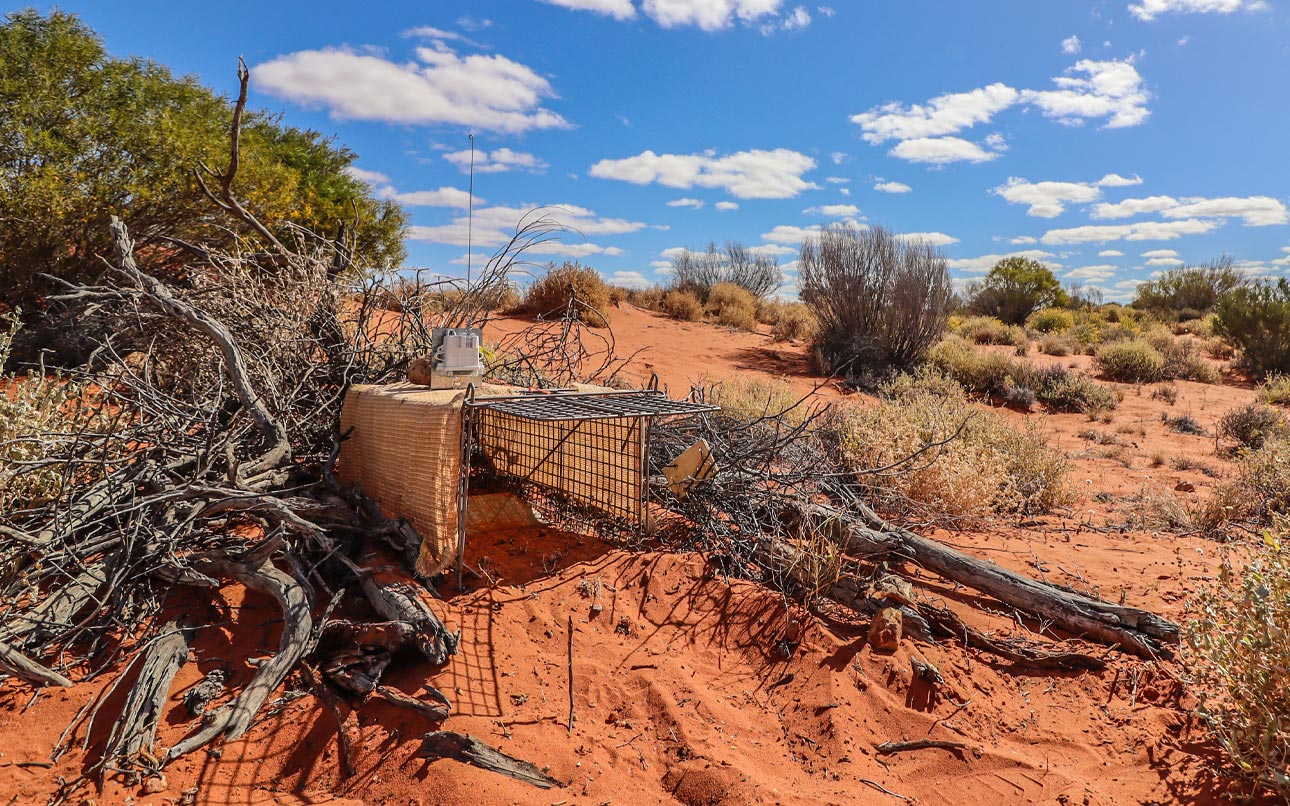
(709, 15)
(482, 91)
(1046, 199)
(443, 197)
(1110, 253)
(1070, 45)
(833, 211)
(1150, 9)
(996, 142)
(752, 174)
(1131, 207)
(840, 158)
(892, 187)
(1023, 239)
(1257, 211)
(695, 203)
(1098, 273)
(940, 150)
(370, 177)
(983, 263)
(796, 20)
(929, 238)
(1110, 89)
(1160, 253)
(1183, 40)
(1117, 181)
(789, 234)
(725, 206)
(494, 226)
(618, 9)
(1142, 231)
(942, 115)
(772, 250)
(837, 180)
(491, 162)
(1164, 261)
(628, 279)
(845, 191)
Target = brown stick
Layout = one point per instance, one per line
(135, 730)
(469, 750)
(890, 748)
(571, 674)
(19, 665)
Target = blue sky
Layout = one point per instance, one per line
(1108, 139)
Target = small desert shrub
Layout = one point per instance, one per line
(989, 330)
(769, 311)
(991, 373)
(989, 468)
(1056, 344)
(1218, 349)
(1169, 394)
(735, 263)
(617, 295)
(1130, 362)
(551, 292)
(732, 306)
(755, 398)
(1062, 390)
(651, 299)
(683, 305)
(795, 322)
(1184, 424)
(1251, 426)
(1262, 482)
(980, 371)
(1051, 320)
(1256, 320)
(1189, 290)
(1237, 653)
(1276, 390)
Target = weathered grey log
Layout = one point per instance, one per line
(56, 611)
(135, 730)
(235, 718)
(862, 533)
(19, 665)
(398, 597)
(469, 750)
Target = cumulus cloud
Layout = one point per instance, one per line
(1148, 10)
(628, 279)
(1110, 253)
(983, 263)
(1142, 231)
(494, 226)
(1131, 207)
(941, 151)
(1096, 273)
(726, 206)
(837, 180)
(833, 210)
(929, 238)
(1046, 199)
(618, 9)
(1164, 261)
(752, 174)
(370, 177)
(443, 197)
(1111, 89)
(1255, 211)
(482, 91)
(892, 187)
(709, 15)
(695, 203)
(1160, 253)
(790, 234)
(498, 161)
(1117, 181)
(942, 115)
(1023, 239)
(1070, 45)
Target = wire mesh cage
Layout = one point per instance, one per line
(586, 452)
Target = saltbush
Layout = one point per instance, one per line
(683, 305)
(1253, 425)
(732, 306)
(1056, 344)
(1133, 361)
(794, 322)
(990, 330)
(1051, 320)
(995, 374)
(551, 292)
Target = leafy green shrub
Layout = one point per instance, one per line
(795, 322)
(1256, 320)
(1262, 482)
(1015, 288)
(1184, 424)
(683, 305)
(989, 330)
(1190, 290)
(551, 292)
(1051, 320)
(1133, 361)
(1062, 390)
(994, 374)
(1237, 651)
(1253, 425)
(1276, 390)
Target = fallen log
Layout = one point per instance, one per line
(862, 533)
(19, 665)
(135, 730)
(469, 750)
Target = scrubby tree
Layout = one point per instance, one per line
(1194, 289)
(1255, 318)
(881, 301)
(698, 272)
(1015, 288)
(85, 135)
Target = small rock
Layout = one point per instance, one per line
(419, 372)
(155, 784)
(884, 630)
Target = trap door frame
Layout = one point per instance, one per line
(569, 411)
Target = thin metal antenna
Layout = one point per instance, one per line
(470, 209)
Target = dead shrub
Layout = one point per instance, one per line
(551, 292)
(755, 398)
(698, 272)
(1236, 653)
(1253, 425)
(651, 299)
(683, 305)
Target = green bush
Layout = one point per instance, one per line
(990, 330)
(1256, 320)
(998, 375)
(550, 293)
(1237, 653)
(1051, 320)
(1133, 361)
(1015, 288)
(1189, 291)
(1275, 390)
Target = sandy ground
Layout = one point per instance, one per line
(682, 690)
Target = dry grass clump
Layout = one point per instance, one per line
(1134, 361)
(989, 468)
(795, 322)
(1237, 657)
(551, 292)
(732, 306)
(1275, 390)
(1262, 482)
(990, 330)
(651, 298)
(1057, 344)
(755, 398)
(683, 305)
(1003, 376)
(1253, 425)
(1051, 320)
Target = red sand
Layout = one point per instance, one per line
(681, 692)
